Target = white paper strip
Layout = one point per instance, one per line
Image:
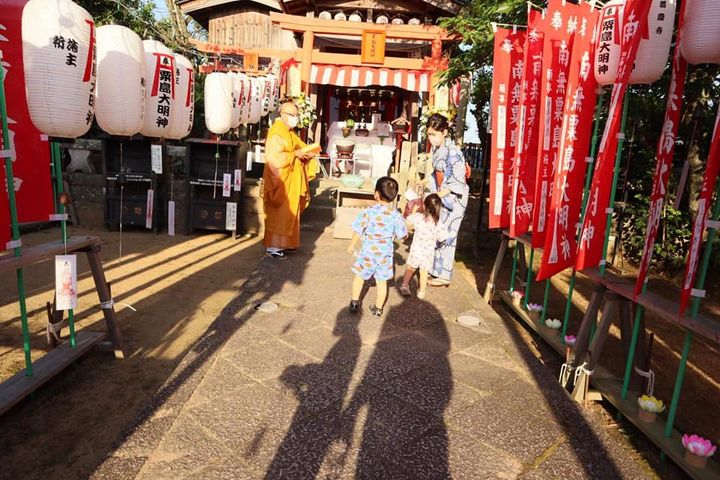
(13, 244)
(231, 216)
(249, 161)
(171, 218)
(227, 184)
(259, 154)
(5, 153)
(149, 209)
(57, 217)
(714, 224)
(65, 282)
(156, 158)
(237, 183)
(697, 293)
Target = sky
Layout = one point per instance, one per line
(160, 9)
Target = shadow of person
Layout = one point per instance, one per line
(320, 389)
(402, 397)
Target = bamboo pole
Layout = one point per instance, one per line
(586, 190)
(528, 280)
(15, 229)
(514, 268)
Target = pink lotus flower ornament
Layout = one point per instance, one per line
(698, 446)
(534, 307)
(570, 340)
(516, 294)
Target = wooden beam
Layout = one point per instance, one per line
(206, 47)
(297, 23)
(355, 60)
(307, 54)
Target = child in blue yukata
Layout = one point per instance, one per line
(378, 226)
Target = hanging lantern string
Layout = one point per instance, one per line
(217, 160)
(122, 188)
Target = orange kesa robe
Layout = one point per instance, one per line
(285, 187)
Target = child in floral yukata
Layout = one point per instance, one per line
(378, 226)
(428, 233)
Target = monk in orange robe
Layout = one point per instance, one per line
(286, 192)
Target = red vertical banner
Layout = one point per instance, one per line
(665, 152)
(30, 151)
(560, 243)
(524, 160)
(592, 238)
(505, 104)
(561, 25)
(704, 200)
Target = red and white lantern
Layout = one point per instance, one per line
(236, 109)
(218, 102)
(60, 69)
(161, 93)
(245, 97)
(184, 112)
(700, 42)
(266, 86)
(120, 99)
(256, 104)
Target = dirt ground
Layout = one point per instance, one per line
(697, 411)
(177, 286)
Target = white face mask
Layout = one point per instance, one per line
(435, 140)
(292, 122)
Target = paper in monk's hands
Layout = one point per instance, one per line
(311, 150)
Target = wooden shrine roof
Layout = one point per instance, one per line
(432, 8)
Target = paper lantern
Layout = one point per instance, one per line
(236, 100)
(58, 39)
(397, 21)
(218, 102)
(245, 98)
(653, 51)
(382, 19)
(274, 92)
(340, 16)
(266, 87)
(325, 15)
(161, 92)
(607, 50)
(700, 43)
(355, 17)
(414, 21)
(184, 112)
(256, 106)
(120, 99)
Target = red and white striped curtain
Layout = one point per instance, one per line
(412, 80)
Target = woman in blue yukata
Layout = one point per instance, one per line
(449, 182)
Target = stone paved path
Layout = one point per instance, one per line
(312, 391)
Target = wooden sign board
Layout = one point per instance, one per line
(373, 46)
(251, 62)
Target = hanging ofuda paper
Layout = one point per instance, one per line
(227, 184)
(231, 216)
(149, 209)
(248, 161)
(156, 158)
(66, 282)
(171, 218)
(237, 184)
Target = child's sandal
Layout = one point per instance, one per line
(375, 310)
(420, 295)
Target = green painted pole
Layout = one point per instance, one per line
(57, 164)
(586, 191)
(631, 353)
(15, 230)
(514, 268)
(700, 285)
(616, 174)
(528, 280)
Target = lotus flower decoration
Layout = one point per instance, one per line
(650, 404)
(553, 323)
(534, 307)
(698, 446)
(570, 340)
(516, 294)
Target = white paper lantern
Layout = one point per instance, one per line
(274, 92)
(382, 19)
(256, 106)
(325, 15)
(700, 42)
(653, 52)
(120, 99)
(294, 81)
(184, 112)
(160, 96)
(218, 102)
(245, 98)
(355, 17)
(340, 16)
(414, 21)
(266, 86)
(397, 21)
(236, 110)
(58, 38)
(607, 46)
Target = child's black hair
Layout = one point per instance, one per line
(433, 204)
(387, 188)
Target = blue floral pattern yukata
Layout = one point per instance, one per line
(378, 226)
(449, 160)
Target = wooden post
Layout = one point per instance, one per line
(103, 290)
(308, 42)
(490, 287)
(583, 337)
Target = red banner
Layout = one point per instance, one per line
(30, 152)
(665, 152)
(711, 172)
(562, 24)
(592, 238)
(523, 169)
(505, 104)
(560, 243)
